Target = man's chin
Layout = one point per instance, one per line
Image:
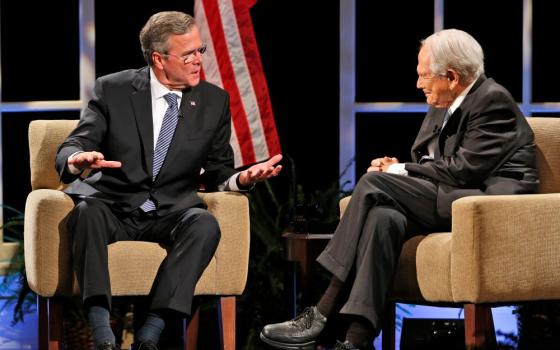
(187, 83)
(192, 82)
(436, 103)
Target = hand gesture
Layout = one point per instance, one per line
(260, 172)
(92, 160)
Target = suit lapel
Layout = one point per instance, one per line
(142, 105)
(190, 106)
(430, 129)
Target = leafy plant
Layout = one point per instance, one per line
(273, 206)
(14, 290)
(538, 325)
(270, 204)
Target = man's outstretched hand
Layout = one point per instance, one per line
(92, 160)
(260, 172)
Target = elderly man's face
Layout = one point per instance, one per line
(437, 88)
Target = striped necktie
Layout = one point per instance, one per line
(164, 140)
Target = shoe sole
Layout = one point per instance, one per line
(288, 346)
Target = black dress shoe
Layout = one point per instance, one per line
(349, 346)
(143, 346)
(296, 334)
(106, 346)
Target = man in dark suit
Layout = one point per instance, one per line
(474, 141)
(151, 137)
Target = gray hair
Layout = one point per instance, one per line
(458, 50)
(154, 35)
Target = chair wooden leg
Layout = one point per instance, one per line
(43, 324)
(50, 323)
(191, 338)
(226, 314)
(388, 340)
(479, 327)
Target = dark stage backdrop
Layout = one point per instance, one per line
(298, 43)
(299, 46)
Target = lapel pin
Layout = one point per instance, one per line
(193, 104)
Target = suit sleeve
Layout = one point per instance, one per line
(219, 162)
(87, 136)
(471, 156)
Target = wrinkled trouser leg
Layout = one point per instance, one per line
(370, 236)
(191, 236)
(93, 226)
(194, 240)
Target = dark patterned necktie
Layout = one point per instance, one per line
(164, 140)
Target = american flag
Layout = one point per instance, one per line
(232, 61)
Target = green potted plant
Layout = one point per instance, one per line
(14, 290)
(15, 293)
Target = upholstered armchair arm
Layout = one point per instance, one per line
(231, 209)
(343, 203)
(47, 250)
(506, 248)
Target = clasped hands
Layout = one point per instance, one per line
(382, 164)
(256, 173)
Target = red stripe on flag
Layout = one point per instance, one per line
(239, 116)
(256, 71)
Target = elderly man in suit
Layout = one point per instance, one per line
(151, 136)
(474, 141)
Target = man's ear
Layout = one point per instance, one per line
(156, 59)
(453, 77)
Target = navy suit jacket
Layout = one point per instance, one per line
(118, 123)
(486, 147)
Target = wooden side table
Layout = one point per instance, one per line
(303, 249)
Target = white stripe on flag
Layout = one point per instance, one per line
(209, 61)
(242, 78)
(212, 72)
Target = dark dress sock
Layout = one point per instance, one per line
(99, 317)
(152, 328)
(328, 301)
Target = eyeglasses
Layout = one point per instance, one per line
(189, 57)
(429, 76)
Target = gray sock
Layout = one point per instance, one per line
(152, 328)
(99, 317)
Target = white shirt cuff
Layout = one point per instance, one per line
(397, 168)
(73, 170)
(231, 184)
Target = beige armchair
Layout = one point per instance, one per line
(132, 265)
(501, 250)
